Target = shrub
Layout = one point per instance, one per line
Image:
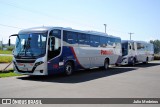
(156, 57)
(5, 52)
(5, 59)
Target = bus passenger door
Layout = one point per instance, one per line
(54, 50)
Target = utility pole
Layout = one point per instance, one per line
(105, 25)
(130, 35)
(1, 44)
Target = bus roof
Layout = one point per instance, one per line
(48, 28)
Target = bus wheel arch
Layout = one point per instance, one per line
(69, 67)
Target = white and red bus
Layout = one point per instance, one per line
(51, 50)
(136, 51)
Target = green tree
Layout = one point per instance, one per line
(156, 44)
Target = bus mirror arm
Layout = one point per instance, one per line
(9, 41)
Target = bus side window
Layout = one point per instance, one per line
(138, 46)
(118, 41)
(83, 39)
(103, 41)
(94, 41)
(70, 37)
(87, 39)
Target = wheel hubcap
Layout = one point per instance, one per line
(106, 65)
(68, 69)
(133, 62)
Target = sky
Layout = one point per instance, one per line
(141, 17)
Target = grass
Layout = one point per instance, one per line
(156, 57)
(5, 59)
(5, 52)
(9, 73)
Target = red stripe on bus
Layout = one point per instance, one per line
(75, 56)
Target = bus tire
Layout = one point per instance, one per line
(68, 68)
(106, 64)
(133, 62)
(146, 61)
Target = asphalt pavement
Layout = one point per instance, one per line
(140, 81)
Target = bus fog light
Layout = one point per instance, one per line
(41, 71)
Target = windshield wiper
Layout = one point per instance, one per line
(27, 47)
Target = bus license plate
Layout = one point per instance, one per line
(23, 69)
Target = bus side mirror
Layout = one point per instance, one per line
(9, 42)
(130, 47)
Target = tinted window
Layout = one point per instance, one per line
(87, 40)
(124, 48)
(140, 46)
(94, 41)
(83, 39)
(103, 41)
(56, 33)
(117, 40)
(112, 40)
(70, 37)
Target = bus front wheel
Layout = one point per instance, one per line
(133, 62)
(68, 68)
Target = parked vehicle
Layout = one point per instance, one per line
(136, 51)
(50, 50)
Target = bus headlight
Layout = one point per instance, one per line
(38, 63)
(124, 59)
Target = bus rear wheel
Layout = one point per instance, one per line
(68, 68)
(106, 64)
(146, 61)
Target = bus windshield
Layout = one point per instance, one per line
(30, 45)
(124, 49)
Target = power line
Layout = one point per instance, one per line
(49, 16)
(10, 26)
